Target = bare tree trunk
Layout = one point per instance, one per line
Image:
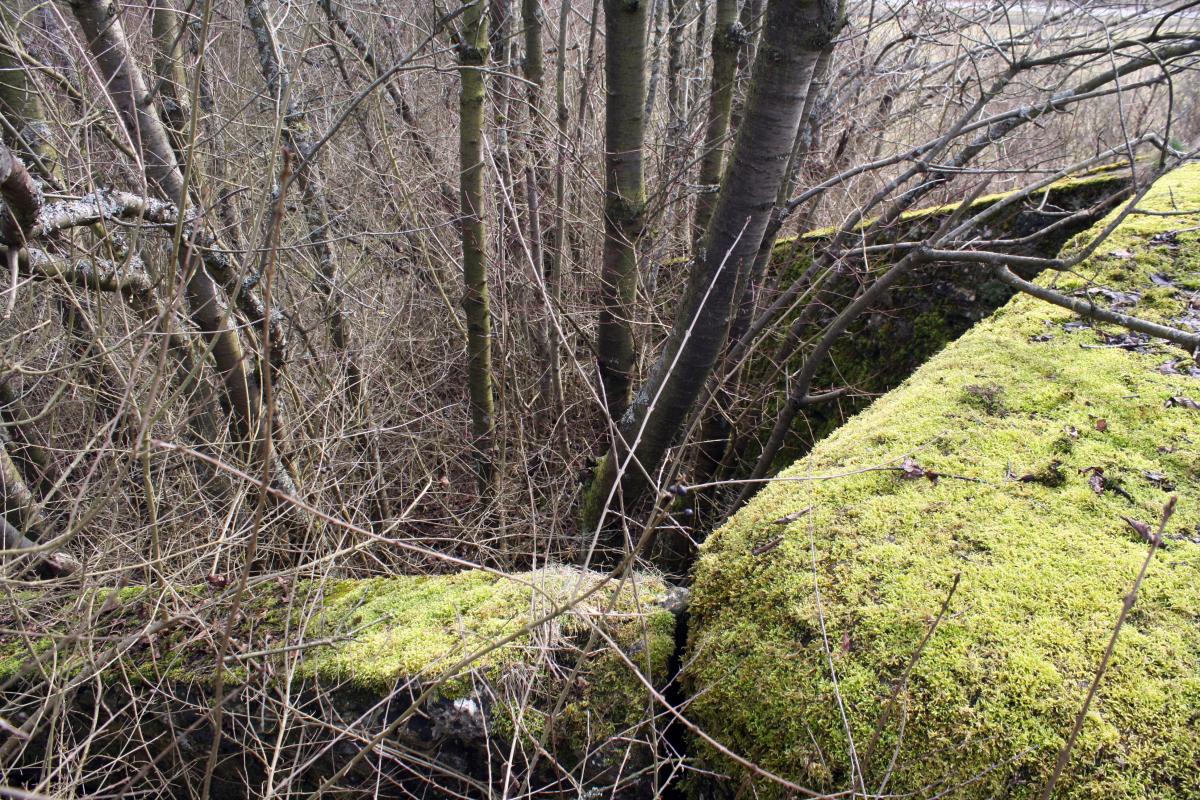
(656, 38)
(101, 25)
(795, 33)
(534, 64)
(541, 237)
(472, 59)
(715, 430)
(18, 96)
(172, 89)
(298, 135)
(727, 40)
(676, 112)
(557, 236)
(749, 20)
(624, 196)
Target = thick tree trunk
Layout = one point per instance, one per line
(795, 33)
(472, 59)
(624, 196)
(715, 430)
(727, 40)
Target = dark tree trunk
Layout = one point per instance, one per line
(795, 33)
(624, 196)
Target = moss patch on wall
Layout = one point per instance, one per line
(559, 684)
(1061, 430)
(927, 309)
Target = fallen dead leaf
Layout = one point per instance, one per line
(1142, 529)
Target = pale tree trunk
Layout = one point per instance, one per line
(172, 89)
(727, 40)
(795, 33)
(101, 24)
(624, 197)
(472, 59)
(298, 135)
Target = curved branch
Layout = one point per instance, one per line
(1086, 308)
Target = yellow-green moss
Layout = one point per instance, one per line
(1044, 564)
(926, 310)
(419, 626)
(377, 634)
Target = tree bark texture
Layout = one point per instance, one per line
(728, 37)
(472, 59)
(624, 196)
(173, 95)
(715, 430)
(795, 33)
(18, 96)
(100, 22)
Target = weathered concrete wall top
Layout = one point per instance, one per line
(1048, 436)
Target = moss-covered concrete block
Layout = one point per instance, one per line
(476, 679)
(923, 312)
(1048, 433)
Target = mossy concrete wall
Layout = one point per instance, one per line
(1048, 432)
(317, 669)
(927, 309)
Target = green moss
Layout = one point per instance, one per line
(1102, 179)
(592, 504)
(1044, 565)
(927, 309)
(420, 626)
(377, 634)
